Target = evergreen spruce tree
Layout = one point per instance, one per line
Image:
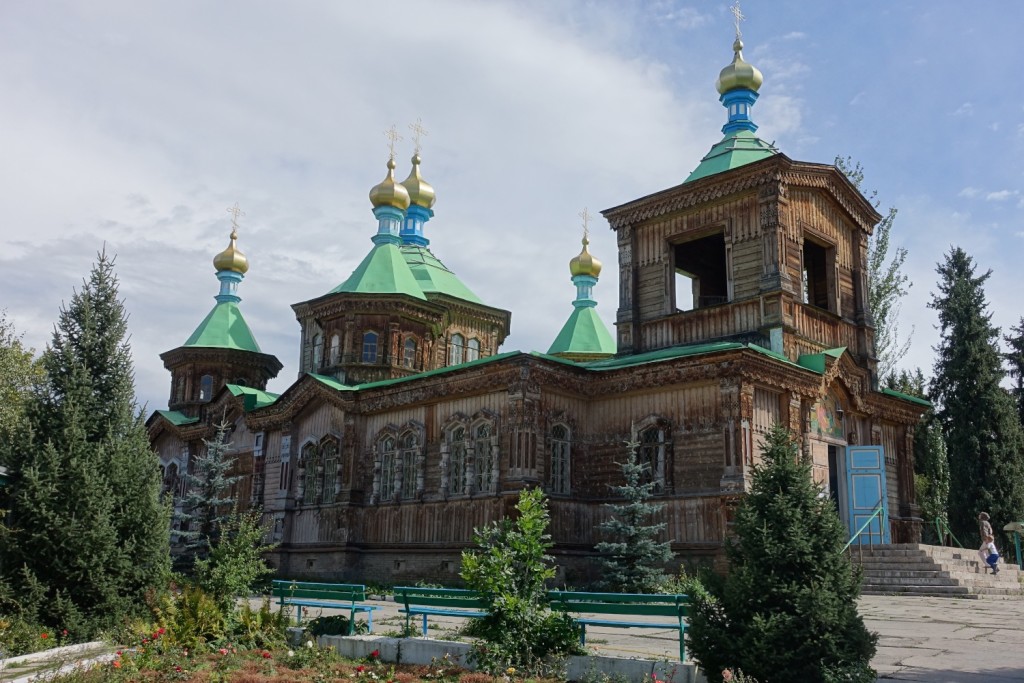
(979, 421)
(208, 503)
(20, 374)
(931, 462)
(89, 534)
(635, 561)
(1015, 358)
(786, 611)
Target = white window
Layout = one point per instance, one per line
(388, 452)
(335, 350)
(329, 485)
(370, 347)
(457, 461)
(318, 352)
(483, 458)
(310, 463)
(206, 388)
(409, 353)
(473, 349)
(458, 349)
(651, 455)
(410, 450)
(559, 482)
(257, 445)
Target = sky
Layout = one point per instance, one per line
(134, 125)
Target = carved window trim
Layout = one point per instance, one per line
(654, 436)
(560, 453)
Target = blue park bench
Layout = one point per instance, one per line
(624, 604)
(343, 596)
(448, 602)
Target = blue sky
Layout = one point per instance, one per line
(136, 124)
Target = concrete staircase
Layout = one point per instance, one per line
(918, 569)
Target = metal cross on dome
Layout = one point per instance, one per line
(585, 215)
(418, 133)
(737, 15)
(392, 135)
(235, 212)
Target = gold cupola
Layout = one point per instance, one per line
(739, 74)
(231, 258)
(421, 193)
(388, 192)
(585, 263)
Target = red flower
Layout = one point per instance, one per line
(116, 663)
(64, 632)
(360, 669)
(222, 651)
(161, 630)
(266, 654)
(177, 668)
(375, 654)
(43, 635)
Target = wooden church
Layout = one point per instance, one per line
(742, 303)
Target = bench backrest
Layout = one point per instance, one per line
(319, 591)
(640, 604)
(439, 597)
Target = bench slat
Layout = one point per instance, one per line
(444, 612)
(620, 608)
(627, 624)
(572, 596)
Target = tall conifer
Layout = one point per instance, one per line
(978, 418)
(1015, 358)
(89, 532)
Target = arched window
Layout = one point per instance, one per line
(651, 455)
(388, 452)
(318, 352)
(409, 353)
(559, 482)
(457, 461)
(310, 464)
(457, 352)
(473, 349)
(369, 347)
(329, 456)
(483, 457)
(410, 449)
(335, 350)
(206, 388)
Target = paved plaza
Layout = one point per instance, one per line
(945, 640)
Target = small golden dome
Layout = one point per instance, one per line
(739, 74)
(421, 193)
(390, 193)
(231, 258)
(585, 263)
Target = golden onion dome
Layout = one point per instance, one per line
(739, 74)
(421, 193)
(585, 263)
(388, 192)
(231, 258)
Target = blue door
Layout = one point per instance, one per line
(865, 489)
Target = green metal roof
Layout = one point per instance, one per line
(434, 276)
(224, 328)
(177, 419)
(584, 333)
(907, 397)
(816, 361)
(734, 150)
(383, 271)
(252, 398)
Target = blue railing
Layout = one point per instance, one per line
(941, 529)
(876, 513)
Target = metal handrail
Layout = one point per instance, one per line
(940, 525)
(877, 511)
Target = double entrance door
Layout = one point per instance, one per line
(856, 483)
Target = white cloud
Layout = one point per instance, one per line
(687, 18)
(1000, 195)
(965, 109)
(969, 192)
(794, 35)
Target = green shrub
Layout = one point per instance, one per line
(258, 629)
(192, 617)
(334, 625)
(510, 569)
(787, 609)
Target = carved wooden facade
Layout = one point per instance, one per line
(387, 482)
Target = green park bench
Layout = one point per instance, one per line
(343, 596)
(448, 602)
(625, 604)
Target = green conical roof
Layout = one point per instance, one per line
(734, 150)
(584, 333)
(383, 271)
(434, 276)
(224, 328)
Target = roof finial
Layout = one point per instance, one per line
(392, 135)
(418, 133)
(585, 216)
(737, 15)
(235, 212)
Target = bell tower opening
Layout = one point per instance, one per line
(701, 273)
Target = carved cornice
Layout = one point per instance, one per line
(770, 177)
(216, 356)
